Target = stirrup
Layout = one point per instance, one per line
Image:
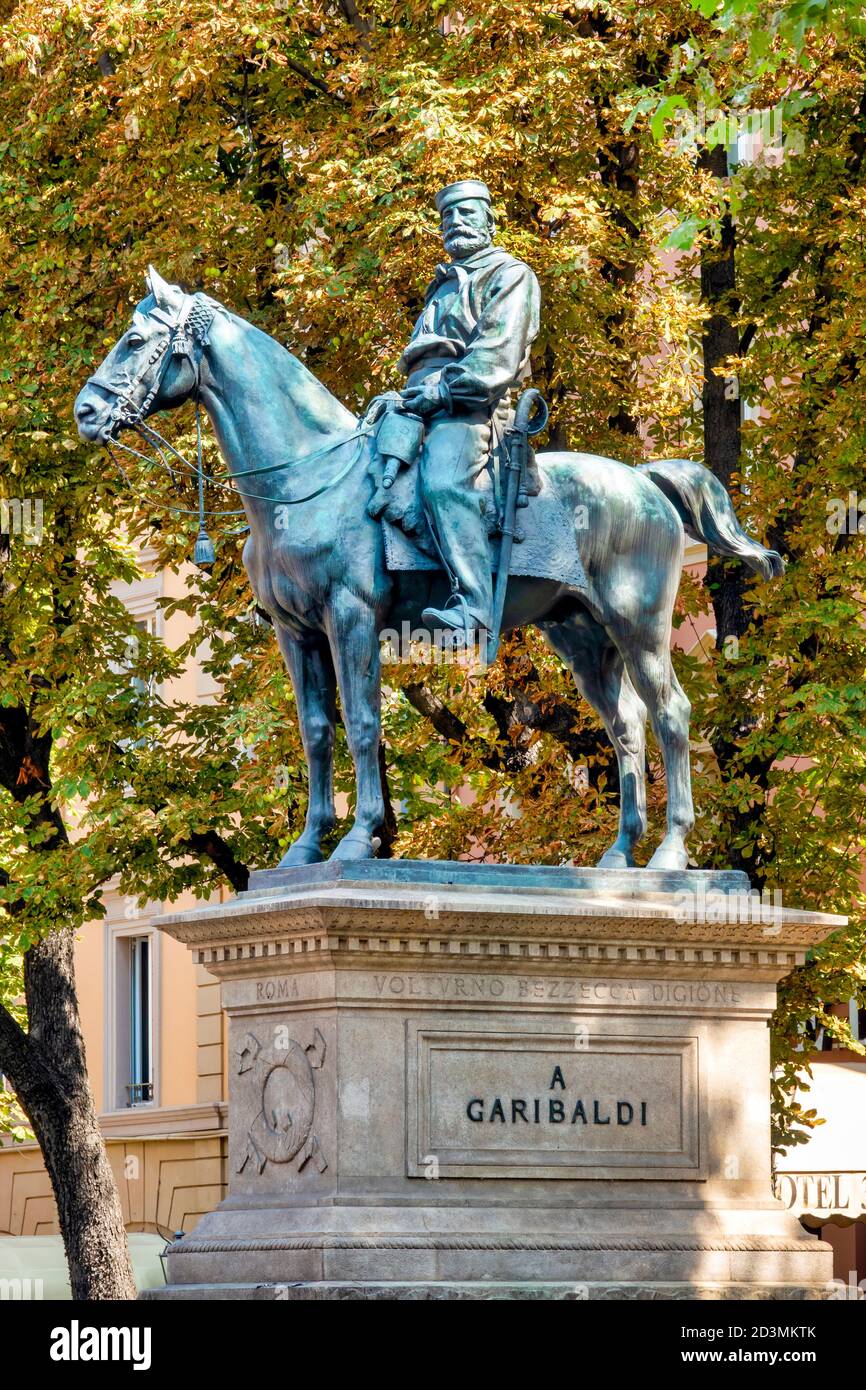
(456, 617)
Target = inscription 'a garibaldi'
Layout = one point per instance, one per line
(555, 1110)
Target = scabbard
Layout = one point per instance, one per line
(509, 516)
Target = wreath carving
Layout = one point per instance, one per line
(283, 1128)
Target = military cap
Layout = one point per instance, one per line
(457, 192)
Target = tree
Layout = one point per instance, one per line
(779, 245)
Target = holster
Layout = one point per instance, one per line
(400, 435)
(399, 440)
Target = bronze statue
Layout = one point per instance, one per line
(332, 577)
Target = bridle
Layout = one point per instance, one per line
(189, 334)
(188, 328)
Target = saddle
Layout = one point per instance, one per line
(545, 538)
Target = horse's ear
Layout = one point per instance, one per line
(164, 293)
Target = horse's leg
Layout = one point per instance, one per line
(353, 632)
(654, 678)
(601, 677)
(312, 671)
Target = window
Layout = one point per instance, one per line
(148, 626)
(132, 1021)
(856, 1018)
(140, 1084)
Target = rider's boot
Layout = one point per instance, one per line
(455, 452)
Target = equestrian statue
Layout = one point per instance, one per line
(433, 510)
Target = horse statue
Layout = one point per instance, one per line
(323, 576)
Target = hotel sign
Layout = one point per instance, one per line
(823, 1194)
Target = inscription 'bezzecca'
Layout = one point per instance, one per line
(554, 1110)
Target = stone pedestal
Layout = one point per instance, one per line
(476, 1081)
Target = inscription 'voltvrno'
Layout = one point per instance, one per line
(555, 1110)
(545, 989)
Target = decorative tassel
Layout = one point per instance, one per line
(204, 553)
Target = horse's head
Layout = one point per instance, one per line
(154, 366)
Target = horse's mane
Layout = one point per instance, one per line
(148, 304)
(328, 407)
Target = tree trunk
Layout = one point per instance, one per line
(47, 1065)
(727, 580)
(47, 1069)
(721, 407)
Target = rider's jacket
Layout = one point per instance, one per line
(479, 320)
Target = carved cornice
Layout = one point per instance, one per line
(446, 925)
(306, 951)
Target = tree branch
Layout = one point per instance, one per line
(447, 724)
(211, 845)
(310, 77)
(361, 25)
(557, 718)
(22, 1062)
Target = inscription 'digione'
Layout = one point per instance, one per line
(554, 1110)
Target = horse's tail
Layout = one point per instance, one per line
(706, 512)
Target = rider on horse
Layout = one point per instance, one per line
(469, 348)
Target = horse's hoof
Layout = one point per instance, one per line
(356, 844)
(614, 858)
(669, 857)
(298, 854)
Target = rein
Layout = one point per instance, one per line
(189, 328)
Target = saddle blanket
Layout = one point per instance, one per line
(548, 549)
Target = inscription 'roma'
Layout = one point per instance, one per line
(277, 989)
(555, 1110)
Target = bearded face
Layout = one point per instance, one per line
(467, 227)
